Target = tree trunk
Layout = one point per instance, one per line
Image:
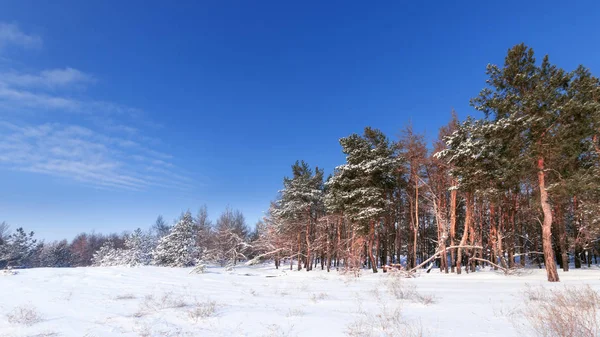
(370, 241)
(468, 220)
(452, 226)
(299, 252)
(562, 239)
(416, 227)
(493, 234)
(549, 261)
(308, 256)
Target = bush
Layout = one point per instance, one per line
(407, 291)
(24, 315)
(202, 310)
(566, 312)
(388, 323)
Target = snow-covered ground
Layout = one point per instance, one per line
(260, 301)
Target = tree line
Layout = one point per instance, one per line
(519, 185)
(190, 241)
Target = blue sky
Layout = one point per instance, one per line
(112, 112)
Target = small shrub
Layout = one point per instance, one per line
(202, 310)
(407, 291)
(384, 324)
(167, 301)
(566, 312)
(275, 330)
(295, 313)
(125, 297)
(318, 297)
(24, 315)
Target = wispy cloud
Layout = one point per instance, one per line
(47, 79)
(85, 155)
(10, 34)
(103, 144)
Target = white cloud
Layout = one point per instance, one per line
(85, 155)
(10, 34)
(49, 79)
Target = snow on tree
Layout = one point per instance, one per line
(360, 185)
(203, 232)
(160, 227)
(108, 256)
(178, 248)
(300, 203)
(230, 239)
(17, 248)
(138, 248)
(55, 254)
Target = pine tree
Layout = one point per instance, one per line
(138, 248)
(178, 248)
(301, 199)
(17, 248)
(204, 232)
(362, 182)
(108, 255)
(160, 227)
(55, 255)
(529, 101)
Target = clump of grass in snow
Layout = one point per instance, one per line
(275, 330)
(318, 297)
(201, 310)
(167, 301)
(125, 297)
(24, 315)
(295, 313)
(407, 291)
(566, 312)
(387, 323)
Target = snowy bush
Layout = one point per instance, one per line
(202, 310)
(24, 315)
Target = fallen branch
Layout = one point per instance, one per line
(434, 256)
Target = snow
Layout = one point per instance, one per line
(258, 301)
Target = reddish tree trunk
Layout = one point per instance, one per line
(549, 260)
(452, 226)
(468, 220)
(370, 246)
(493, 234)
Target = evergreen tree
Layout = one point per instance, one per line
(362, 182)
(55, 254)
(160, 227)
(178, 248)
(529, 101)
(204, 231)
(17, 249)
(138, 248)
(301, 200)
(108, 255)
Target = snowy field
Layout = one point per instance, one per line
(262, 301)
